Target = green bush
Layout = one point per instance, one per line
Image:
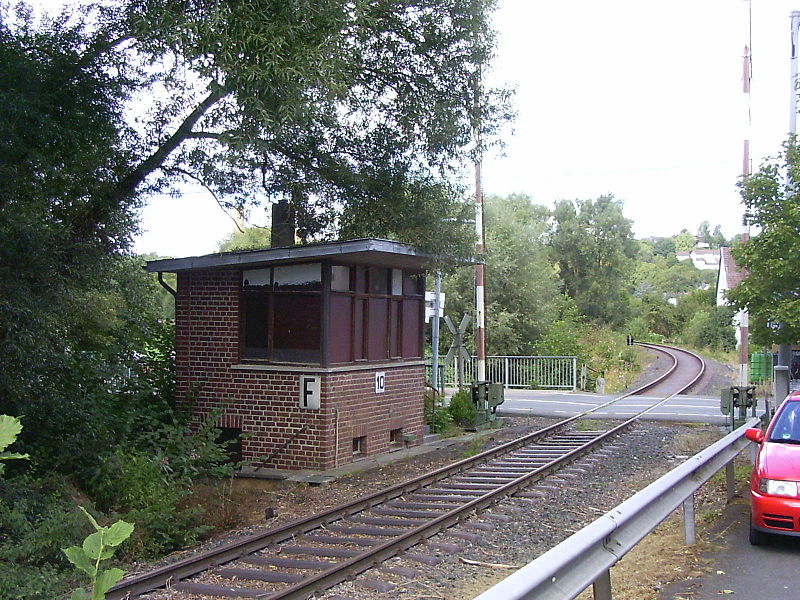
(140, 487)
(151, 486)
(462, 409)
(37, 518)
(711, 329)
(437, 417)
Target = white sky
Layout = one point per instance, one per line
(641, 99)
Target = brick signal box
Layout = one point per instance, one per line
(315, 352)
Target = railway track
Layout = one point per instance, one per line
(310, 555)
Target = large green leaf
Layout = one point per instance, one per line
(105, 581)
(9, 430)
(118, 533)
(78, 557)
(93, 545)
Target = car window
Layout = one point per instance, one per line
(787, 424)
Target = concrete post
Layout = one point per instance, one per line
(781, 383)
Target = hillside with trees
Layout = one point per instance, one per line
(572, 280)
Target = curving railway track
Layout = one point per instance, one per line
(310, 555)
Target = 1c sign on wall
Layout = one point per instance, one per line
(310, 391)
(380, 382)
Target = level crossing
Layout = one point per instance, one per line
(560, 404)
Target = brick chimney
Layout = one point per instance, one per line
(282, 225)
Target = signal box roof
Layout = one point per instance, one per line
(367, 251)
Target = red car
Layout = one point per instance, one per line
(775, 482)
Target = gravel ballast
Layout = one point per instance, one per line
(518, 530)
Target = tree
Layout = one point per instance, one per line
(522, 289)
(592, 244)
(717, 238)
(685, 241)
(249, 238)
(711, 329)
(72, 306)
(332, 107)
(704, 233)
(665, 247)
(770, 291)
(657, 274)
(659, 315)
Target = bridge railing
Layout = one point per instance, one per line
(532, 372)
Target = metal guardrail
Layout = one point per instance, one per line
(546, 372)
(586, 557)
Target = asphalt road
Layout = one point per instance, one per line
(739, 570)
(698, 409)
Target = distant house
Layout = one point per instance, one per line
(730, 274)
(704, 259)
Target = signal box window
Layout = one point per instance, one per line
(281, 311)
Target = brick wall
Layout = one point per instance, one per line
(362, 412)
(264, 404)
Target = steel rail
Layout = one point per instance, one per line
(567, 569)
(187, 567)
(358, 564)
(668, 350)
(145, 582)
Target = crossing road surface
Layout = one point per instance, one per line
(699, 409)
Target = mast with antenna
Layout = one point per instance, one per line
(744, 321)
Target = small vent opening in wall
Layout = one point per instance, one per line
(396, 437)
(233, 437)
(359, 446)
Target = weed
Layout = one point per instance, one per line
(98, 547)
(709, 516)
(589, 425)
(437, 417)
(475, 446)
(462, 409)
(37, 519)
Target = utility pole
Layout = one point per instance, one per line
(744, 325)
(480, 272)
(793, 80)
(784, 350)
(480, 248)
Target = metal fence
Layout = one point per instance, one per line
(545, 372)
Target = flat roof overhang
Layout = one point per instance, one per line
(367, 251)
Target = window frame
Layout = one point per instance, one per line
(270, 293)
(362, 303)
